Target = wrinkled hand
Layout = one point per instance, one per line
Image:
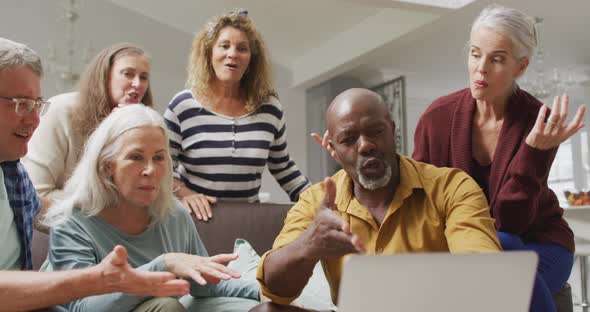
(200, 204)
(117, 275)
(329, 236)
(325, 143)
(202, 270)
(548, 135)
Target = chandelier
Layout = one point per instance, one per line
(63, 63)
(538, 81)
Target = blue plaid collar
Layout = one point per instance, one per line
(25, 205)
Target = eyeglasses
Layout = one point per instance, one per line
(24, 106)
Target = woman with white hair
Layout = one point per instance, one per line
(506, 140)
(121, 194)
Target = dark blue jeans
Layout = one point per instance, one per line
(555, 266)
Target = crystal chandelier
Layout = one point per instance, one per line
(537, 81)
(64, 65)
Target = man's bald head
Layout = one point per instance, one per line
(362, 136)
(353, 99)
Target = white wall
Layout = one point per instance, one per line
(293, 101)
(414, 108)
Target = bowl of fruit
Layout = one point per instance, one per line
(577, 198)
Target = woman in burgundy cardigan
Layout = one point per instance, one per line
(502, 137)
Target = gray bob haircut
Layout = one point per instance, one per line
(14, 54)
(519, 27)
(90, 188)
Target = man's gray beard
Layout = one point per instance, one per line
(374, 184)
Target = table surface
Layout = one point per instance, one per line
(578, 218)
(568, 207)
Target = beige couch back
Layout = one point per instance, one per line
(258, 223)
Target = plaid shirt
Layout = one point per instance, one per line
(25, 204)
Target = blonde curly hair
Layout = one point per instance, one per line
(256, 84)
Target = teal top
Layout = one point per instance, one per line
(84, 241)
(10, 243)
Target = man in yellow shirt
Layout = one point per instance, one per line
(379, 203)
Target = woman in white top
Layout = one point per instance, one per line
(118, 75)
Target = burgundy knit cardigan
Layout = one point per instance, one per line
(520, 200)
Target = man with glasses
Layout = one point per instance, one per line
(20, 107)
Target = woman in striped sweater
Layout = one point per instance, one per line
(227, 126)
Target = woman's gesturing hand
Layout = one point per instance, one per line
(202, 270)
(548, 135)
(116, 275)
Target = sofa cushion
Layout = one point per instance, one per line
(315, 295)
(257, 223)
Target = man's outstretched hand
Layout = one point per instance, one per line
(329, 236)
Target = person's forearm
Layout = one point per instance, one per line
(518, 200)
(109, 297)
(23, 291)
(96, 294)
(156, 265)
(287, 270)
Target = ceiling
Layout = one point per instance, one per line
(379, 39)
(290, 28)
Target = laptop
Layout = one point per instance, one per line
(438, 282)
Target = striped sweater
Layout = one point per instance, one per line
(224, 156)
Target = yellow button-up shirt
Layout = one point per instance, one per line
(433, 210)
